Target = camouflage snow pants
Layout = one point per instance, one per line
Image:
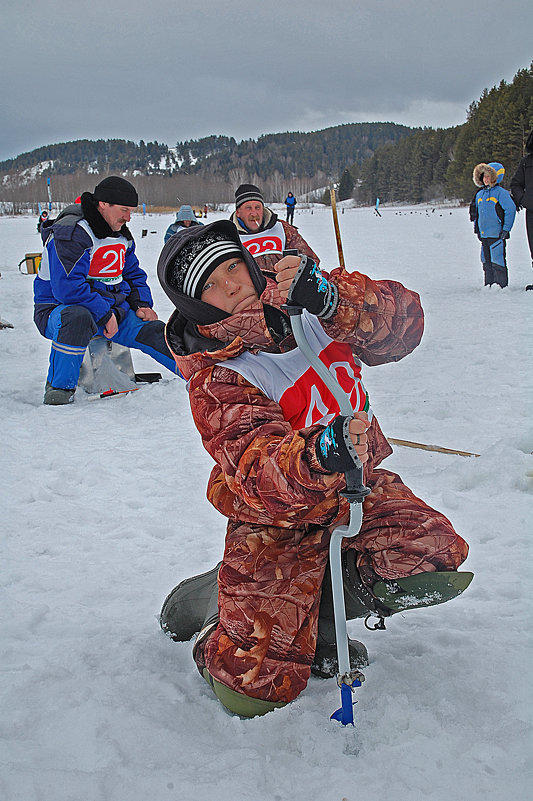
(270, 584)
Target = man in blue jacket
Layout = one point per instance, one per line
(290, 202)
(492, 211)
(90, 282)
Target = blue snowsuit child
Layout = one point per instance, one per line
(492, 211)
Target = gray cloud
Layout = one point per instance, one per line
(161, 69)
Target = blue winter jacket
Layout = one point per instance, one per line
(491, 220)
(79, 267)
(176, 226)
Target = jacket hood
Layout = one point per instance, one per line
(68, 217)
(194, 310)
(262, 326)
(494, 169)
(185, 213)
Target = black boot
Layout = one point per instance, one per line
(325, 662)
(184, 610)
(488, 273)
(500, 275)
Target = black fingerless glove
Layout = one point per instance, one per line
(312, 291)
(334, 447)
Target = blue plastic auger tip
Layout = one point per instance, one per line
(345, 713)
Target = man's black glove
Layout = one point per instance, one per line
(334, 447)
(120, 313)
(504, 235)
(312, 291)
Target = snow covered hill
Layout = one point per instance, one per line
(104, 511)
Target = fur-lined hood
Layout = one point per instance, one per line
(494, 169)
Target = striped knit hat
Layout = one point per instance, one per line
(247, 192)
(197, 260)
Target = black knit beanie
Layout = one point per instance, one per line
(117, 191)
(247, 192)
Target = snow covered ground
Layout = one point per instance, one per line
(104, 511)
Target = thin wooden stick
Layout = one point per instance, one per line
(336, 224)
(406, 443)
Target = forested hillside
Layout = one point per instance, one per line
(198, 171)
(434, 164)
(102, 155)
(367, 160)
(328, 151)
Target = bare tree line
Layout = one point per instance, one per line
(169, 190)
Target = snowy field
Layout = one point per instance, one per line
(104, 511)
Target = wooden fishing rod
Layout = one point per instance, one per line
(337, 229)
(406, 443)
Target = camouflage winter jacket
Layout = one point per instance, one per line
(266, 469)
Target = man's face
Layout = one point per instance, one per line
(229, 287)
(115, 216)
(251, 213)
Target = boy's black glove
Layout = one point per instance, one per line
(312, 291)
(504, 235)
(334, 447)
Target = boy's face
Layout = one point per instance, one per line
(251, 213)
(229, 287)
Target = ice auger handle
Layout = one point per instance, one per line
(355, 491)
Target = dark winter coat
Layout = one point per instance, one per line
(522, 183)
(280, 503)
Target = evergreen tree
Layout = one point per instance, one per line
(346, 185)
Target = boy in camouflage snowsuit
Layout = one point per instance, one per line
(280, 447)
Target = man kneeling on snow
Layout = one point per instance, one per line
(264, 615)
(90, 282)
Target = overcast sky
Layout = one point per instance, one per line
(170, 70)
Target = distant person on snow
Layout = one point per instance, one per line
(90, 282)
(290, 202)
(522, 192)
(262, 233)
(43, 216)
(492, 211)
(280, 446)
(184, 219)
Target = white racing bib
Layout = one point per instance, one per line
(288, 379)
(107, 257)
(266, 242)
